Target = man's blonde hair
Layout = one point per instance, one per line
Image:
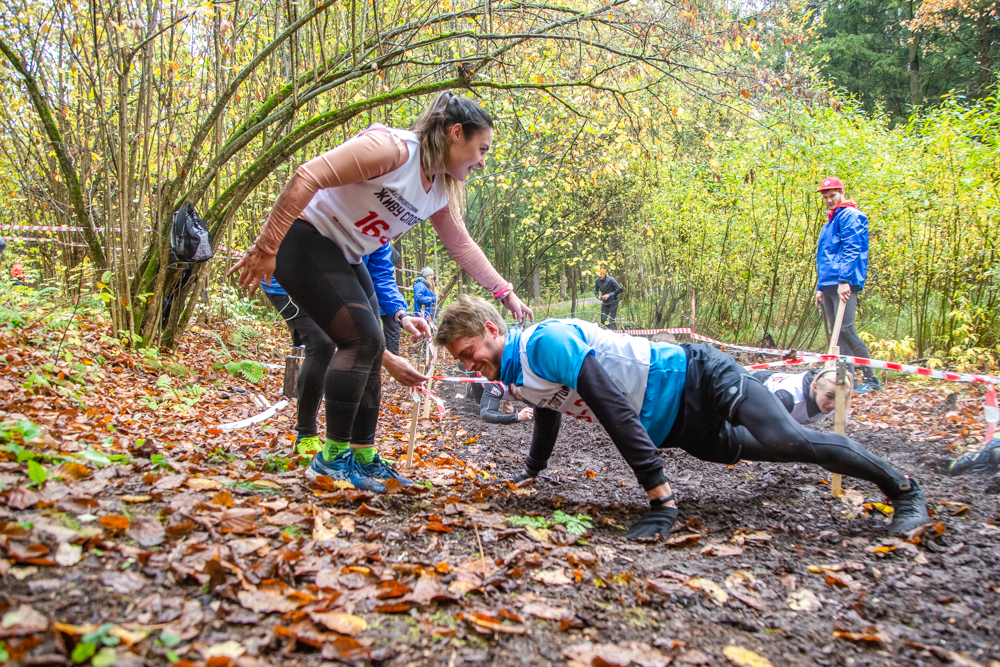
(467, 319)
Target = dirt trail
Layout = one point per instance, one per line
(208, 548)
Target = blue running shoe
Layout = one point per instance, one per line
(868, 386)
(340, 468)
(372, 476)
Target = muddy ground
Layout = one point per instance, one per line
(763, 557)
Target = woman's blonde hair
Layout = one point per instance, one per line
(829, 372)
(432, 128)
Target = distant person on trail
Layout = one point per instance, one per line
(319, 349)
(17, 273)
(607, 289)
(688, 396)
(424, 299)
(345, 204)
(808, 397)
(841, 268)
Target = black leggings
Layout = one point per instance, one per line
(319, 351)
(340, 298)
(764, 431)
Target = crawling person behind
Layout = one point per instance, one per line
(688, 396)
(493, 409)
(808, 397)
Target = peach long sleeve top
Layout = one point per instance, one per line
(373, 156)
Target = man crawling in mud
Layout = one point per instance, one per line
(690, 396)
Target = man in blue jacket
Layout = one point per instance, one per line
(651, 395)
(841, 268)
(424, 299)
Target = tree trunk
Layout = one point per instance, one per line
(659, 308)
(913, 53)
(536, 283)
(572, 291)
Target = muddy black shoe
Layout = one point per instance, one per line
(909, 509)
(985, 461)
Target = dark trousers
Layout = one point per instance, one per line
(319, 350)
(609, 311)
(850, 343)
(390, 329)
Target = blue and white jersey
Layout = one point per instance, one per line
(544, 362)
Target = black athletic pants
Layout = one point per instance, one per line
(340, 298)
(390, 330)
(850, 342)
(319, 351)
(609, 311)
(727, 415)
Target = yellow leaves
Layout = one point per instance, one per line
(745, 657)
(714, 591)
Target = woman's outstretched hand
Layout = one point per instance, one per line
(255, 266)
(518, 309)
(402, 370)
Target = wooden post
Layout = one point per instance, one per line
(840, 411)
(839, 416)
(290, 383)
(429, 370)
(414, 414)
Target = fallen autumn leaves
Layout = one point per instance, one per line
(199, 547)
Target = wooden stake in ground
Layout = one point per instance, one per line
(293, 364)
(414, 415)
(429, 370)
(839, 415)
(840, 412)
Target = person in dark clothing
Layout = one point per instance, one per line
(686, 396)
(319, 350)
(607, 289)
(841, 269)
(494, 410)
(390, 327)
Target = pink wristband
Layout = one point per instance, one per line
(503, 291)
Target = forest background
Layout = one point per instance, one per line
(680, 144)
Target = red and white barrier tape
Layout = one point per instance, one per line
(810, 358)
(990, 412)
(951, 376)
(650, 332)
(437, 401)
(36, 239)
(58, 228)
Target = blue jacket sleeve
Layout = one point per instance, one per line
(853, 235)
(382, 270)
(618, 288)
